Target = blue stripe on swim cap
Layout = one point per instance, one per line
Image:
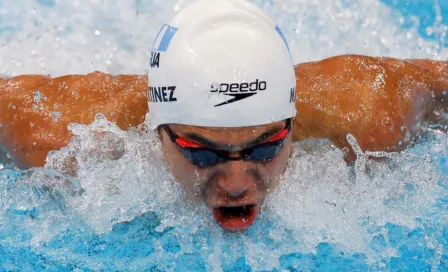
(164, 37)
(283, 37)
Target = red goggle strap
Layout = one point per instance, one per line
(279, 136)
(184, 143)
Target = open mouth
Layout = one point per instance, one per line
(235, 218)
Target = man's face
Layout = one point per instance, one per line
(234, 189)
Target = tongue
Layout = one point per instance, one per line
(235, 220)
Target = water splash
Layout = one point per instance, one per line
(36, 37)
(121, 178)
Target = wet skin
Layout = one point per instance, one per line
(235, 184)
(371, 98)
(382, 102)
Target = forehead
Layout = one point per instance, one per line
(231, 136)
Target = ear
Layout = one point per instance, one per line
(158, 131)
(291, 148)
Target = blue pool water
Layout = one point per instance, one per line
(426, 14)
(326, 216)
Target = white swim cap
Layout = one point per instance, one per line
(221, 63)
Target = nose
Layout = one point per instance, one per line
(236, 178)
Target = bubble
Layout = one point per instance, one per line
(37, 97)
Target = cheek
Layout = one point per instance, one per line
(287, 152)
(277, 167)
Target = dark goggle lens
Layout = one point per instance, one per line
(266, 151)
(200, 157)
(205, 158)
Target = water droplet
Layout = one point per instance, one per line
(100, 117)
(56, 116)
(37, 96)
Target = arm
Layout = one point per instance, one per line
(37, 109)
(378, 100)
(383, 102)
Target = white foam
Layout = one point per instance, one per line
(320, 199)
(114, 36)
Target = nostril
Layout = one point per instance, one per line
(235, 180)
(237, 194)
(233, 189)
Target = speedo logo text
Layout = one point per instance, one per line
(238, 91)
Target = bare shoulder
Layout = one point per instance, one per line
(346, 69)
(38, 108)
(378, 100)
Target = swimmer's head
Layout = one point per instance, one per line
(222, 95)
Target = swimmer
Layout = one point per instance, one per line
(227, 102)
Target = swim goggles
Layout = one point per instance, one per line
(206, 157)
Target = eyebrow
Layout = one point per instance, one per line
(228, 147)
